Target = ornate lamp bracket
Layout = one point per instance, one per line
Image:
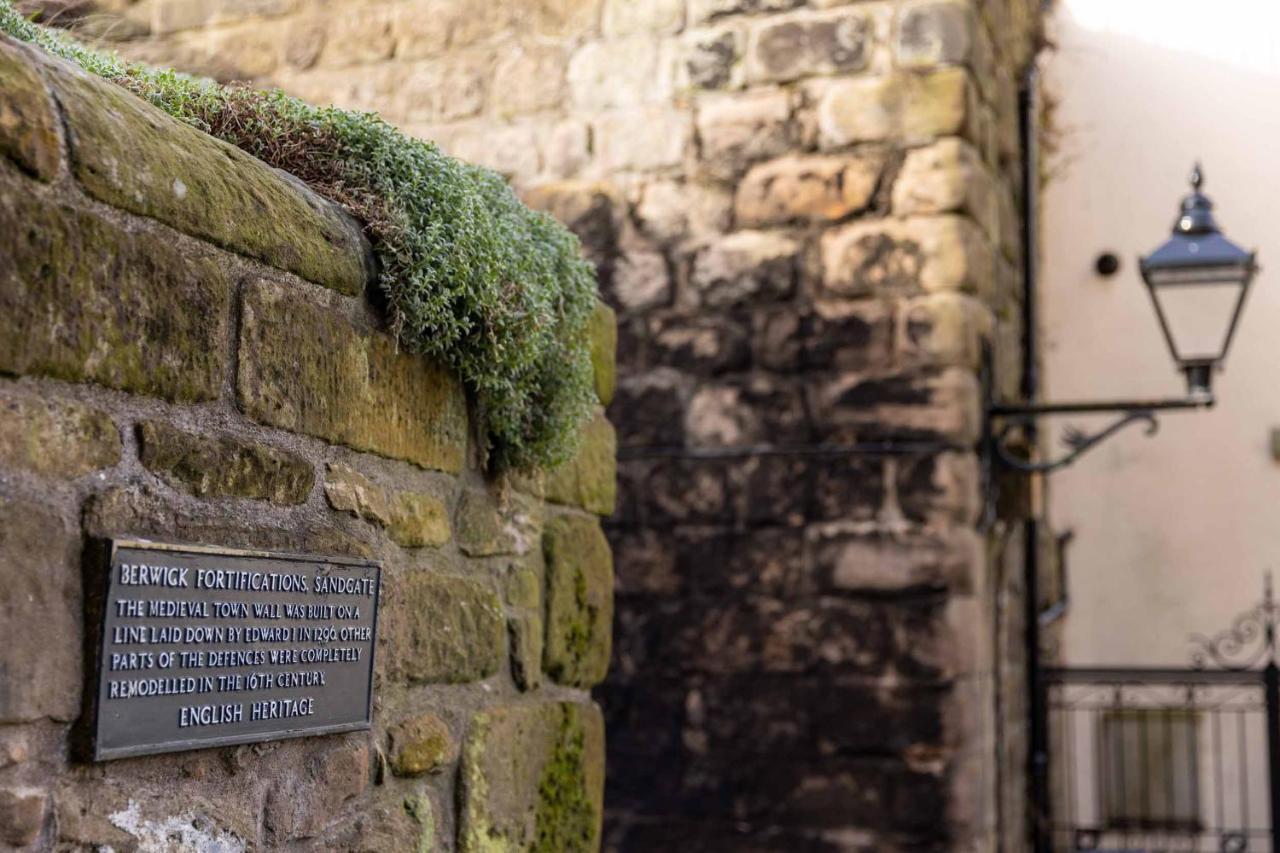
(1005, 419)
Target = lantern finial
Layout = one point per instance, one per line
(1197, 177)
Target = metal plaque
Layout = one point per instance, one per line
(207, 646)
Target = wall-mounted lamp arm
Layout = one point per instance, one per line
(1017, 415)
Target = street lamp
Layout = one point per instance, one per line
(1198, 280)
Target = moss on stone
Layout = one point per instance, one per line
(532, 779)
(490, 525)
(419, 808)
(305, 367)
(604, 349)
(28, 126)
(223, 466)
(566, 820)
(58, 438)
(579, 617)
(82, 299)
(444, 629)
(589, 480)
(493, 290)
(139, 159)
(421, 745)
(419, 520)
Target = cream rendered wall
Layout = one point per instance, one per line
(1174, 532)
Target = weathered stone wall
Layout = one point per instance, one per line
(187, 354)
(805, 214)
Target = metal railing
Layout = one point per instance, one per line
(1159, 760)
(1165, 759)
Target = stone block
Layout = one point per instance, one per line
(745, 267)
(28, 124)
(55, 438)
(422, 27)
(244, 52)
(41, 615)
(308, 367)
(685, 491)
(641, 139)
(419, 520)
(523, 593)
(701, 11)
(678, 212)
(884, 562)
(626, 72)
(525, 632)
(945, 329)
(718, 416)
(902, 107)
(445, 89)
(223, 466)
(701, 345)
(443, 629)
(941, 488)
(589, 480)
(927, 404)
(420, 745)
(347, 490)
(490, 525)
(172, 15)
(82, 299)
(527, 79)
(807, 188)
(22, 815)
(131, 155)
(736, 132)
(360, 36)
(532, 778)
(641, 279)
(843, 334)
(604, 348)
(412, 519)
(935, 34)
(654, 17)
(579, 601)
(931, 254)
(560, 20)
(510, 150)
(788, 48)
(305, 40)
(711, 58)
(947, 177)
(567, 149)
(650, 409)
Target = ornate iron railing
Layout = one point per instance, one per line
(1165, 759)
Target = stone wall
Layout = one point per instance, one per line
(187, 354)
(805, 215)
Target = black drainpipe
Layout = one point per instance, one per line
(1037, 716)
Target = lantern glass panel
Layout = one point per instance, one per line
(1198, 309)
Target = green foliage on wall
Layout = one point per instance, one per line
(473, 278)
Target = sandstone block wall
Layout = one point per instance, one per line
(187, 354)
(805, 213)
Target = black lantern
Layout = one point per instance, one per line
(1198, 281)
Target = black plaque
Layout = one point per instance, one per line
(210, 646)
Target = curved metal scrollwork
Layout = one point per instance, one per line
(1075, 439)
(1250, 640)
(1234, 842)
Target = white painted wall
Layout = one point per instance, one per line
(1174, 532)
